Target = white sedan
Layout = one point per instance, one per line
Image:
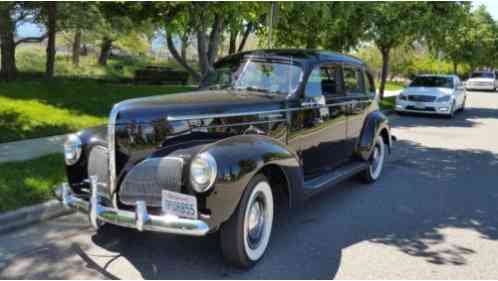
(482, 80)
(433, 94)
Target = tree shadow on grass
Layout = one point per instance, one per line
(13, 126)
(423, 190)
(82, 95)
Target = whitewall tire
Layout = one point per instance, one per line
(244, 238)
(376, 161)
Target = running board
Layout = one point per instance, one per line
(336, 176)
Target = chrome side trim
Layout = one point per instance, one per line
(237, 114)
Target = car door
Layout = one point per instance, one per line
(318, 129)
(360, 92)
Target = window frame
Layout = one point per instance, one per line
(356, 68)
(339, 79)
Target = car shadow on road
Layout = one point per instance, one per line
(471, 117)
(423, 191)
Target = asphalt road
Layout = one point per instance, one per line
(434, 214)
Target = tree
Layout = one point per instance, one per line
(447, 31)
(320, 24)
(392, 24)
(13, 14)
(51, 27)
(118, 21)
(78, 19)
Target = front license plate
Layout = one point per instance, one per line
(419, 105)
(180, 205)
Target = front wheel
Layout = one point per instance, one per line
(376, 162)
(245, 236)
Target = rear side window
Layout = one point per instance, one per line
(353, 81)
(323, 80)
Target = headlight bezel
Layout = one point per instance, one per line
(403, 96)
(73, 148)
(203, 161)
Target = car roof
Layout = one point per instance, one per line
(437, 75)
(297, 54)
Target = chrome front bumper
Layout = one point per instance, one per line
(410, 106)
(140, 219)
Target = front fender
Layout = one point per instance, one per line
(238, 159)
(375, 122)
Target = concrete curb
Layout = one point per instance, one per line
(30, 215)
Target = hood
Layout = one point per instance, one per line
(208, 102)
(427, 91)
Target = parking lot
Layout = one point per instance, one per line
(433, 214)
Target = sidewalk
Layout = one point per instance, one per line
(30, 149)
(391, 93)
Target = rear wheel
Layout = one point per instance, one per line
(245, 236)
(376, 162)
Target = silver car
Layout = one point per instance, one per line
(433, 94)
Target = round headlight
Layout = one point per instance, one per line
(203, 172)
(72, 149)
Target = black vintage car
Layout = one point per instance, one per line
(270, 129)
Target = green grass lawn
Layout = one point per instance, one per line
(38, 108)
(387, 103)
(30, 58)
(394, 86)
(29, 182)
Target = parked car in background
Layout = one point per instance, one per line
(433, 94)
(482, 80)
(272, 128)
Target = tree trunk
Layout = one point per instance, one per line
(184, 40)
(171, 47)
(385, 70)
(105, 50)
(214, 41)
(84, 50)
(7, 45)
(233, 42)
(52, 17)
(77, 48)
(202, 51)
(247, 32)
(455, 68)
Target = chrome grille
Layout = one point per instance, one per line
(98, 166)
(147, 180)
(421, 98)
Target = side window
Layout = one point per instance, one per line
(323, 80)
(353, 81)
(313, 87)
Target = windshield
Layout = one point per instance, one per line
(482, 75)
(432, 81)
(262, 76)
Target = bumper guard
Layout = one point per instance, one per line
(140, 219)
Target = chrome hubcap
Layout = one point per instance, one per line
(256, 222)
(376, 158)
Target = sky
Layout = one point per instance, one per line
(29, 29)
